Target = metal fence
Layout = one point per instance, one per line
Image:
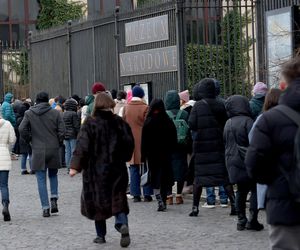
(14, 75)
(213, 38)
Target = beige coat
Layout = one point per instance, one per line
(135, 114)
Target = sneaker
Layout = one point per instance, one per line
(99, 240)
(148, 198)
(136, 199)
(195, 212)
(224, 205)
(24, 172)
(125, 238)
(46, 212)
(208, 205)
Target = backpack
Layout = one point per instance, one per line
(181, 125)
(293, 176)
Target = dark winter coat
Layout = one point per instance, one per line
(207, 121)
(236, 133)
(71, 119)
(256, 105)
(179, 156)
(44, 128)
(105, 143)
(272, 146)
(21, 145)
(158, 140)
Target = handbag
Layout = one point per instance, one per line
(145, 174)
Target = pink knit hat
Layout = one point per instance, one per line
(260, 88)
(184, 95)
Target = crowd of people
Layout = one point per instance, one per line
(242, 147)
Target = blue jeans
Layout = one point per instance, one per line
(24, 161)
(135, 182)
(69, 149)
(100, 225)
(211, 197)
(41, 176)
(4, 186)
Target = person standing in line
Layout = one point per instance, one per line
(97, 88)
(207, 121)
(7, 139)
(257, 101)
(134, 113)
(44, 128)
(72, 125)
(7, 109)
(158, 139)
(179, 155)
(236, 141)
(105, 143)
(270, 160)
(120, 102)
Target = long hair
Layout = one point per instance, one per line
(271, 99)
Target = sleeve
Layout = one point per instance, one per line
(126, 142)
(25, 129)
(193, 118)
(76, 123)
(12, 135)
(79, 159)
(144, 143)
(259, 158)
(60, 128)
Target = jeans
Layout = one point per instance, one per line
(69, 149)
(135, 182)
(100, 225)
(4, 186)
(211, 197)
(24, 161)
(41, 176)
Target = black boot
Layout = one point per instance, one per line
(253, 223)
(46, 212)
(54, 208)
(124, 231)
(161, 205)
(242, 221)
(5, 212)
(195, 212)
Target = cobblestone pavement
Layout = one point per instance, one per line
(213, 229)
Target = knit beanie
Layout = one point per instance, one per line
(42, 97)
(184, 96)
(260, 88)
(98, 87)
(137, 91)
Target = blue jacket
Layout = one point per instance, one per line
(7, 110)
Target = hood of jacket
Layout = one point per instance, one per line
(89, 99)
(237, 105)
(41, 108)
(8, 97)
(70, 105)
(291, 96)
(172, 100)
(204, 89)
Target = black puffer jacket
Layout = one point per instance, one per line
(71, 119)
(272, 146)
(236, 133)
(207, 120)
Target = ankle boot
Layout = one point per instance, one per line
(169, 200)
(195, 212)
(46, 212)
(242, 221)
(179, 199)
(161, 206)
(253, 223)
(54, 208)
(5, 212)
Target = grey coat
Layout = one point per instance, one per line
(44, 128)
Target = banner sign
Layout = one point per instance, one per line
(147, 31)
(149, 61)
